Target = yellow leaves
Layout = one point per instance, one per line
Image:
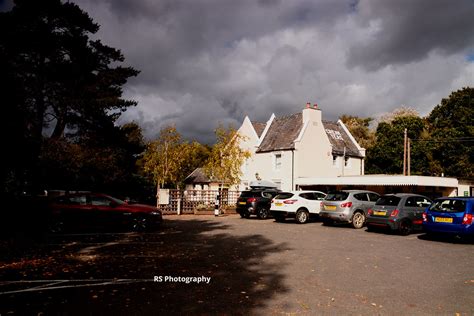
(226, 159)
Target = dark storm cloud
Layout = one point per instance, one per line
(205, 62)
(406, 31)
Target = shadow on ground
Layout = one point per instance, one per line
(79, 274)
(447, 238)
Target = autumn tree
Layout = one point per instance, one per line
(226, 158)
(360, 129)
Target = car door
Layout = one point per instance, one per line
(104, 212)
(361, 202)
(314, 201)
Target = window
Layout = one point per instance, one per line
(389, 200)
(306, 196)
(284, 196)
(449, 206)
(422, 202)
(100, 201)
(336, 196)
(277, 161)
(319, 196)
(373, 197)
(361, 196)
(78, 200)
(347, 162)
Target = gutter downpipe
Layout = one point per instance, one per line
(292, 169)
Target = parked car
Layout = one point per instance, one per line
(296, 204)
(450, 215)
(400, 212)
(256, 201)
(347, 206)
(87, 210)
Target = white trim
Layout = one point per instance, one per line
(381, 180)
(267, 127)
(300, 135)
(247, 119)
(361, 150)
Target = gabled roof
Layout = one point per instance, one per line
(258, 127)
(282, 133)
(197, 176)
(339, 139)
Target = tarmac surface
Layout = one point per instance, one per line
(256, 267)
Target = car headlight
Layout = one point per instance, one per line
(155, 213)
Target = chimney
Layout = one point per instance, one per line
(312, 114)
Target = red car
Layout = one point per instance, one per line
(94, 210)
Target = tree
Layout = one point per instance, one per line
(386, 156)
(451, 124)
(54, 76)
(226, 158)
(164, 157)
(360, 129)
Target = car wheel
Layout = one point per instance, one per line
(262, 213)
(139, 224)
(302, 216)
(405, 227)
(358, 220)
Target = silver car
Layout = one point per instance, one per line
(347, 206)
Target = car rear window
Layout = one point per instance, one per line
(246, 194)
(448, 206)
(336, 196)
(388, 200)
(284, 196)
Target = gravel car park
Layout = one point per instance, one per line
(256, 268)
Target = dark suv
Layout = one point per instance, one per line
(256, 201)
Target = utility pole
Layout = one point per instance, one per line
(405, 152)
(409, 156)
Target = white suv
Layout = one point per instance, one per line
(298, 204)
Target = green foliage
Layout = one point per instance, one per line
(226, 158)
(54, 76)
(360, 129)
(452, 132)
(386, 156)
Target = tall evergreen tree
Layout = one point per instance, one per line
(55, 79)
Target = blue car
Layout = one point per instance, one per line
(450, 215)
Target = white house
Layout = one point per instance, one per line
(300, 145)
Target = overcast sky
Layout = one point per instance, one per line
(209, 61)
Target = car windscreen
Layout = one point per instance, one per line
(336, 196)
(448, 206)
(389, 200)
(284, 196)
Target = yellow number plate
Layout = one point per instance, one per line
(443, 220)
(242, 203)
(279, 204)
(380, 213)
(330, 207)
